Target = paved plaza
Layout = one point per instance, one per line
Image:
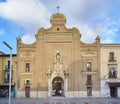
(60, 100)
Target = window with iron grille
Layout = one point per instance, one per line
(89, 80)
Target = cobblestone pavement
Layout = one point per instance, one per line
(59, 100)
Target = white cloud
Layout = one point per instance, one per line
(29, 14)
(112, 31)
(88, 34)
(90, 16)
(84, 9)
(107, 40)
(28, 39)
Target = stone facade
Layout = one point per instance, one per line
(110, 70)
(58, 63)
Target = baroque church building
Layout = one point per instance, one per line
(58, 63)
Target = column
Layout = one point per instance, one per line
(49, 87)
(66, 81)
(66, 86)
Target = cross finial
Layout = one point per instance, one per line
(58, 9)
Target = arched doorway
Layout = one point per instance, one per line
(57, 86)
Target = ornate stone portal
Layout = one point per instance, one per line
(57, 78)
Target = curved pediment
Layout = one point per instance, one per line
(97, 41)
(20, 43)
(58, 29)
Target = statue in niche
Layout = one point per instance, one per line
(57, 57)
(58, 63)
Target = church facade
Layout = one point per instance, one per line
(58, 63)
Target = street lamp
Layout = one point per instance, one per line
(10, 68)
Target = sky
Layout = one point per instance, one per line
(22, 18)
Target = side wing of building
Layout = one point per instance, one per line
(5, 75)
(110, 70)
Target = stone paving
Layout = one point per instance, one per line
(59, 100)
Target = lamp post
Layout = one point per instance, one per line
(10, 69)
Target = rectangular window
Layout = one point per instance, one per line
(89, 64)
(6, 77)
(89, 80)
(27, 81)
(89, 91)
(111, 56)
(27, 69)
(8, 64)
(112, 72)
